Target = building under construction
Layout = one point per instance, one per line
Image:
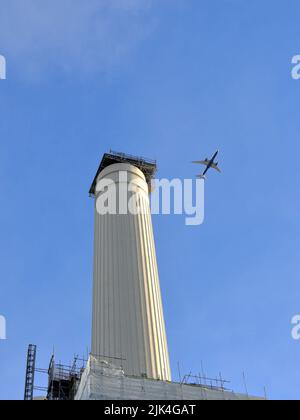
(129, 357)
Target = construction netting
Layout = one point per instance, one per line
(104, 381)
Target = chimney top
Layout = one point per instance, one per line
(147, 166)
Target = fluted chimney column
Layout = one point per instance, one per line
(128, 321)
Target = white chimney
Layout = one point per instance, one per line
(128, 322)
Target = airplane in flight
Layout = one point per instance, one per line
(209, 163)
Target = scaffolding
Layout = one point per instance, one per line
(30, 371)
(97, 379)
(63, 380)
(102, 380)
(216, 384)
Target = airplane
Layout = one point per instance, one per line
(209, 163)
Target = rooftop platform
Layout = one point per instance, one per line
(147, 166)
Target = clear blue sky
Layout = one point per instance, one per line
(171, 80)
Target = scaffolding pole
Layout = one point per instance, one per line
(30, 370)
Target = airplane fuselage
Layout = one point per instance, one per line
(210, 163)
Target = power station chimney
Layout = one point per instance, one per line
(128, 323)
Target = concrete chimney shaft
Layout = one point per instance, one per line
(128, 322)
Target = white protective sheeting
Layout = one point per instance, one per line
(103, 381)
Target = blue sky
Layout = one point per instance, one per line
(172, 80)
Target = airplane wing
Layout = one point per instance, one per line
(202, 162)
(214, 166)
